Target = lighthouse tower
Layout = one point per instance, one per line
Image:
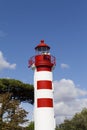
(42, 64)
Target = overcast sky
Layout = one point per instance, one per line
(63, 26)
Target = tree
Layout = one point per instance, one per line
(12, 93)
(18, 90)
(11, 115)
(78, 122)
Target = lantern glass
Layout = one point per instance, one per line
(42, 50)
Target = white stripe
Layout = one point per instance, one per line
(43, 75)
(44, 94)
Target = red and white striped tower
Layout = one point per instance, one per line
(43, 64)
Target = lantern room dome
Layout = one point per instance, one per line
(42, 44)
(42, 48)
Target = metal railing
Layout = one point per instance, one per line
(32, 61)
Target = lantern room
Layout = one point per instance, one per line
(42, 48)
(43, 58)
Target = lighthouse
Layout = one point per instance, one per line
(43, 64)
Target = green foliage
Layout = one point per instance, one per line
(78, 122)
(18, 90)
(11, 115)
(31, 126)
(12, 92)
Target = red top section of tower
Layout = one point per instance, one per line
(42, 44)
(43, 60)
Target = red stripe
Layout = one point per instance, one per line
(44, 102)
(44, 84)
(43, 68)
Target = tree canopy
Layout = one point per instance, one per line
(12, 93)
(19, 90)
(78, 122)
(11, 114)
